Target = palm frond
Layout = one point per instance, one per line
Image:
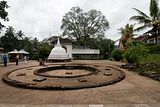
(142, 13)
(140, 28)
(140, 19)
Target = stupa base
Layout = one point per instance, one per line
(59, 60)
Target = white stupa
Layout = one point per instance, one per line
(58, 53)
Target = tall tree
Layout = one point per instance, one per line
(82, 25)
(127, 35)
(20, 36)
(152, 20)
(3, 12)
(27, 44)
(105, 46)
(35, 44)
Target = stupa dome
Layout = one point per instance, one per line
(58, 53)
(58, 49)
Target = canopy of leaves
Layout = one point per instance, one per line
(127, 35)
(127, 30)
(16, 40)
(82, 25)
(9, 41)
(105, 46)
(3, 12)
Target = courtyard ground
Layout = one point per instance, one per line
(134, 89)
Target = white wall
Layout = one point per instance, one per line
(85, 51)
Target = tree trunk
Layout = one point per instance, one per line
(155, 36)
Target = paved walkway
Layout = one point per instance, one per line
(133, 91)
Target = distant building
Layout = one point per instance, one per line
(86, 53)
(149, 37)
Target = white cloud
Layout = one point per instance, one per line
(44, 16)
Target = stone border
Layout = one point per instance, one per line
(20, 84)
(41, 72)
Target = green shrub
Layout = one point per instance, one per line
(151, 58)
(154, 49)
(44, 50)
(116, 54)
(135, 53)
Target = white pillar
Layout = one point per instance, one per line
(69, 50)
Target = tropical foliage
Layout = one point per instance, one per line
(17, 40)
(9, 41)
(127, 35)
(135, 52)
(152, 20)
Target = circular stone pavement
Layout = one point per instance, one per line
(63, 76)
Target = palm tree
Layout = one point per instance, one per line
(145, 20)
(20, 36)
(10, 30)
(10, 34)
(127, 35)
(35, 43)
(9, 41)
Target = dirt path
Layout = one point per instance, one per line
(133, 89)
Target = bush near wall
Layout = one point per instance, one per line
(116, 54)
(135, 53)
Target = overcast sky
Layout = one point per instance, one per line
(42, 18)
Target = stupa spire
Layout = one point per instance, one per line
(58, 41)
